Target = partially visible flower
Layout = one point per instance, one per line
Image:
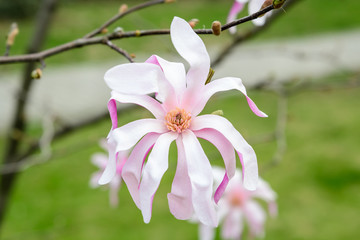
(180, 97)
(239, 206)
(254, 6)
(100, 160)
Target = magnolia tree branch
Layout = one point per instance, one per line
(81, 42)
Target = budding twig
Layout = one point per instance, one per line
(119, 50)
(14, 30)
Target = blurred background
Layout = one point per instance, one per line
(303, 71)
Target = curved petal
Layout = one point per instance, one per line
(227, 152)
(235, 9)
(190, 46)
(220, 85)
(128, 135)
(200, 173)
(246, 152)
(154, 169)
(175, 73)
(264, 192)
(131, 172)
(233, 225)
(113, 113)
(256, 217)
(99, 160)
(114, 187)
(143, 100)
(134, 78)
(180, 202)
(110, 169)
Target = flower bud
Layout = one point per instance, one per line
(132, 55)
(104, 30)
(118, 30)
(216, 28)
(36, 74)
(137, 33)
(14, 30)
(278, 3)
(193, 22)
(169, 1)
(218, 112)
(123, 8)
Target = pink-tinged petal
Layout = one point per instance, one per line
(235, 9)
(220, 85)
(134, 78)
(99, 160)
(128, 135)
(110, 169)
(175, 73)
(143, 100)
(180, 202)
(200, 173)
(94, 179)
(206, 232)
(131, 172)
(227, 152)
(264, 192)
(246, 152)
(255, 6)
(154, 169)
(114, 187)
(190, 46)
(113, 113)
(233, 225)
(256, 217)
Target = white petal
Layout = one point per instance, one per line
(220, 85)
(206, 232)
(134, 78)
(255, 6)
(256, 217)
(233, 225)
(110, 169)
(246, 152)
(131, 171)
(154, 169)
(128, 135)
(200, 173)
(190, 46)
(143, 100)
(180, 202)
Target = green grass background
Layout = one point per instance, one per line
(317, 181)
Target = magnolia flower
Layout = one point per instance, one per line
(238, 205)
(180, 97)
(100, 160)
(254, 6)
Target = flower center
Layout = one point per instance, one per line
(177, 120)
(237, 197)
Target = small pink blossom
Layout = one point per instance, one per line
(100, 160)
(239, 206)
(180, 97)
(253, 5)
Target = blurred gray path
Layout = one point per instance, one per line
(78, 91)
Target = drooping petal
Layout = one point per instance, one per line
(131, 172)
(128, 135)
(200, 173)
(227, 152)
(233, 225)
(264, 192)
(190, 46)
(255, 6)
(134, 78)
(235, 9)
(114, 187)
(113, 113)
(206, 232)
(154, 169)
(180, 202)
(99, 160)
(143, 100)
(256, 217)
(110, 169)
(220, 85)
(247, 154)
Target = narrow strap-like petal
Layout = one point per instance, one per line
(248, 160)
(110, 169)
(134, 78)
(190, 46)
(128, 135)
(180, 202)
(235, 9)
(131, 172)
(206, 232)
(233, 225)
(256, 217)
(154, 169)
(143, 100)
(200, 173)
(113, 113)
(220, 85)
(227, 152)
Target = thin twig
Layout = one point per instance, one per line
(119, 50)
(117, 35)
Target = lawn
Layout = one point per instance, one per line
(317, 181)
